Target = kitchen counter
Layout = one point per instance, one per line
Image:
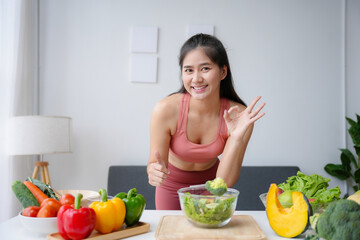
(13, 229)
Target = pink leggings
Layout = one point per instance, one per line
(166, 197)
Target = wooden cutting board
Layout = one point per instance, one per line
(178, 227)
(124, 232)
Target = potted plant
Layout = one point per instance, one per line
(350, 164)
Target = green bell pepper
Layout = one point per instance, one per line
(135, 204)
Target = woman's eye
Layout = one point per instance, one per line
(205, 69)
(187, 70)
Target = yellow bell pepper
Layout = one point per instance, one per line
(110, 214)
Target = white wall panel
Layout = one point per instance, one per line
(290, 52)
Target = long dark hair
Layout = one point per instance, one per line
(215, 50)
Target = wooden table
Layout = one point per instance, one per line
(13, 229)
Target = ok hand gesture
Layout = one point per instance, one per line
(238, 121)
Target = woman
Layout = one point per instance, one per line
(205, 119)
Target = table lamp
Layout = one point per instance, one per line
(39, 135)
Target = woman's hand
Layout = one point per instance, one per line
(238, 121)
(157, 171)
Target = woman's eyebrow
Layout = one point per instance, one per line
(201, 64)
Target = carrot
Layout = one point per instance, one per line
(38, 194)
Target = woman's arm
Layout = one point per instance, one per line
(240, 123)
(160, 134)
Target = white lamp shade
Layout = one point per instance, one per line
(36, 135)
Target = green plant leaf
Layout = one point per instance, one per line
(357, 176)
(346, 158)
(357, 150)
(354, 132)
(337, 171)
(344, 170)
(350, 121)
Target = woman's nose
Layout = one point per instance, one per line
(197, 77)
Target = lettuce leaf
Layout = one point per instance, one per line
(327, 195)
(313, 186)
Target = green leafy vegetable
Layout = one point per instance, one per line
(313, 186)
(208, 211)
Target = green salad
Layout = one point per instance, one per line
(209, 211)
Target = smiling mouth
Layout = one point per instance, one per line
(199, 88)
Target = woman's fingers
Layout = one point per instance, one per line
(238, 120)
(257, 117)
(160, 168)
(232, 112)
(253, 103)
(157, 171)
(156, 180)
(256, 112)
(162, 164)
(156, 174)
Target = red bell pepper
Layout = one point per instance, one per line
(76, 222)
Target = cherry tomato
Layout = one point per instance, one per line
(31, 211)
(67, 199)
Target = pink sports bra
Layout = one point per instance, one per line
(188, 151)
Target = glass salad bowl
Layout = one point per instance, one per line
(204, 209)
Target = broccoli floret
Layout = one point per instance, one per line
(217, 186)
(340, 220)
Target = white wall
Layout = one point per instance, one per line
(352, 69)
(290, 52)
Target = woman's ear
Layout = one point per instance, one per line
(223, 72)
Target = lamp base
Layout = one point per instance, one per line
(45, 177)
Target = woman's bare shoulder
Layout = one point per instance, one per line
(168, 106)
(165, 113)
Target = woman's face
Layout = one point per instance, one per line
(201, 76)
